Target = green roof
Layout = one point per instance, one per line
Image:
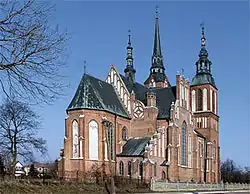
(96, 94)
(135, 147)
(203, 78)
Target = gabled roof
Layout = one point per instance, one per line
(135, 147)
(96, 94)
(164, 96)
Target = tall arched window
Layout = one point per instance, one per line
(189, 151)
(75, 135)
(193, 101)
(141, 169)
(184, 142)
(205, 99)
(93, 140)
(215, 103)
(124, 134)
(129, 169)
(214, 150)
(121, 168)
(155, 169)
(111, 141)
(200, 100)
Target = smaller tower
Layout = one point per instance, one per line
(157, 77)
(129, 70)
(204, 105)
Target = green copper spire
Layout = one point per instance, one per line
(157, 43)
(129, 70)
(203, 65)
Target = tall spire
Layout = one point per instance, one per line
(157, 69)
(129, 70)
(157, 43)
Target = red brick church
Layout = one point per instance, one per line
(155, 130)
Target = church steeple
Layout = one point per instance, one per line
(129, 70)
(203, 65)
(157, 59)
(157, 77)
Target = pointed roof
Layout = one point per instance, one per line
(157, 42)
(96, 94)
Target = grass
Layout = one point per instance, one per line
(36, 186)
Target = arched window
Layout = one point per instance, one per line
(93, 140)
(193, 101)
(124, 134)
(141, 169)
(121, 168)
(205, 99)
(155, 169)
(126, 99)
(75, 135)
(163, 175)
(214, 150)
(215, 103)
(111, 141)
(189, 151)
(118, 86)
(199, 100)
(115, 79)
(112, 76)
(129, 169)
(184, 134)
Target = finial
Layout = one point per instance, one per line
(203, 39)
(129, 35)
(182, 71)
(157, 11)
(84, 66)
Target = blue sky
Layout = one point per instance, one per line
(99, 36)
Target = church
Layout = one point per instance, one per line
(155, 130)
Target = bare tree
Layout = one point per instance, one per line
(19, 125)
(31, 51)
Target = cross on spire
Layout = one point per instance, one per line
(84, 66)
(157, 11)
(203, 39)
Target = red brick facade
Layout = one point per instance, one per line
(182, 162)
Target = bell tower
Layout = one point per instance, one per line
(204, 105)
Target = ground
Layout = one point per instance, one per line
(25, 186)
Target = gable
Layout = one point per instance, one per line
(120, 88)
(164, 96)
